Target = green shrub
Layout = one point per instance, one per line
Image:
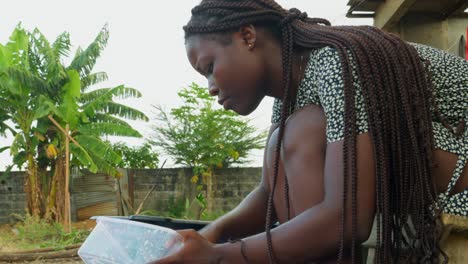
(34, 232)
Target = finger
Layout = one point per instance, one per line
(173, 244)
(187, 233)
(174, 240)
(171, 259)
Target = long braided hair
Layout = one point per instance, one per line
(397, 92)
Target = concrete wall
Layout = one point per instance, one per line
(232, 185)
(12, 196)
(91, 193)
(432, 31)
(425, 30)
(173, 186)
(456, 27)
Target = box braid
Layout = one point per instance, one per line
(397, 92)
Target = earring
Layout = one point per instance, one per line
(250, 45)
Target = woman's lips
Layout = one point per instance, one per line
(221, 101)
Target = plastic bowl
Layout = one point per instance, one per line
(122, 241)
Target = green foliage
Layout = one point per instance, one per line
(33, 232)
(203, 137)
(142, 157)
(194, 209)
(34, 83)
(199, 136)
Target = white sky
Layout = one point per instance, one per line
(146, 47)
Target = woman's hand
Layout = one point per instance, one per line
(211, 232)
(196, 249)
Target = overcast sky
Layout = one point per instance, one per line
(146, 47)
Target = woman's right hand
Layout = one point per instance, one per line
(211, 232)
(196, 249)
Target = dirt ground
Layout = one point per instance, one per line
(56, 261)
(85, 225)
(5, 247)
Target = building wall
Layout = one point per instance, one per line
(432, 31)
(173, 187)
(12, 196)
(456, 28)
(96, 194)
(425, 30)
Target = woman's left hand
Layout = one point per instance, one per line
(196, 249)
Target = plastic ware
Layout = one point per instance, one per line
(120, 241)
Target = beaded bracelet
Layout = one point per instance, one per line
(242, 242)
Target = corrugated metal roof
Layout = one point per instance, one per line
(93, 183)
(108, 208)
(94, 194)
(364, 5)
(90, 198)
(440, 7)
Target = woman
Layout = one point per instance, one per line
(365, 126)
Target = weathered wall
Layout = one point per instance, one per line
(173, 186)
(443, 34)
(92, 194)
(12, 196)
(456, 27)
(426, 30)
(95, 194)
(232, 185)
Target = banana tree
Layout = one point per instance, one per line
(90, 115)
(17, 86)
(62, 93)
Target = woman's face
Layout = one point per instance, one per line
(235, 72)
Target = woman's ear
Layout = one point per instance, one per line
(249, 36)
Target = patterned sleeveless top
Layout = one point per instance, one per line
(323, 85)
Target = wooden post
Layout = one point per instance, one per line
(67, 206)
(67, 213)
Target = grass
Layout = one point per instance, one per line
(33, 233)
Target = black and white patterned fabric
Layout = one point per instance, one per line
(323, 85)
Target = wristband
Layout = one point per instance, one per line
(242, 249)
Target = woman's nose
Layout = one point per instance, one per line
(212, 89)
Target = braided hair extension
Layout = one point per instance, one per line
(397, 92)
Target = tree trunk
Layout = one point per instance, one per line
(56, 199)
(51, 210)
(209, 191)
(32, 189)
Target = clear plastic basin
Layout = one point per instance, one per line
(120, 241)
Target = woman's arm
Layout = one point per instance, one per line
(315, 233)
(248, 218)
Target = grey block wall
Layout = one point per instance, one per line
(173, 187)
(232, 185)
(12, 197)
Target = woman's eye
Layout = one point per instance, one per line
(210, 68)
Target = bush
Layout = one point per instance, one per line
(33, 232)
(202, 136)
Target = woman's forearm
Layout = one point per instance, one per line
(312, 235)
(246, 219)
